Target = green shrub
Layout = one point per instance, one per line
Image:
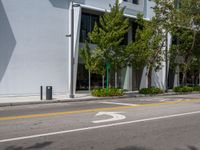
(151, 90)
(100, 92)
(196, 88)
(183, 89)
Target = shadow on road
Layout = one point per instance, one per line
(143, 148)
(35, 146)
(188, 148)
(133, 148)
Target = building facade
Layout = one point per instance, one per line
(35, 51)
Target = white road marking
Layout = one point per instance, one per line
(96, 127)
(162, 100)
(115, 117)
(123, 104)
(177, 100)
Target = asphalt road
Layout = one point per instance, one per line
(153, 123)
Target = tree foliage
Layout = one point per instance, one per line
(92, 61)
(186, 30)
(147, 48)
(109, 34)
(86, 55)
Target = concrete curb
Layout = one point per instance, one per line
(62, 101)
(128, 95)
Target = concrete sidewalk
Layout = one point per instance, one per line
(82, 96)
(25, 100)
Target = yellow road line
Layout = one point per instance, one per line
(95, 110)
(64, 113)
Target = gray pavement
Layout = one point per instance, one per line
(86, 104)
(149, 123)
(80, 96)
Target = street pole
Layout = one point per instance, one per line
(71, 94)
(107, 78)
(166, 61)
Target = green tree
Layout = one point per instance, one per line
(92, 63)
(108, 36)
(86, 55)
(186, 27)
(196, 53)
(99, 64)
(164, 15)
(151, 39)
(147, 48)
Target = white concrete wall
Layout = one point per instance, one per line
(149, 12)
(102, 5)
(177, 77)
(144, 80)
(33, 46)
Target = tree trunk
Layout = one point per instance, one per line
(89, 81)
(137, 80)
(188, 59)
(185, 70)
(107, 76)
(149, 75)
(199, 78)
(186, 66)
(115, 79)
(193, 78)
(184, 78)
(103, 81)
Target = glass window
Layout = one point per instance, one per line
(134, 29)
(83, 79)
(177, 4)
(135, 1)
(125, 40)
(94, 19)
(87, 25)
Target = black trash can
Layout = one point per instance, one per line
(48, 92)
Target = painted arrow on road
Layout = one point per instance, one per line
(115, 117)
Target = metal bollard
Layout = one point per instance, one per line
(41, 92)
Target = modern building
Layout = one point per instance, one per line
(35, 51)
